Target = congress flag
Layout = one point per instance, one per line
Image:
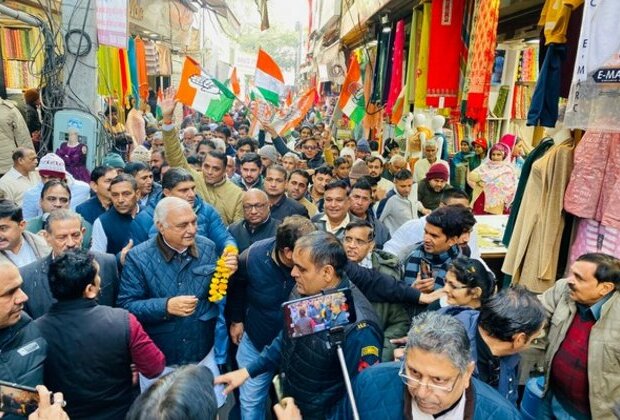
(268, 78)
(295, 114)
(203, 93)
(351, 100)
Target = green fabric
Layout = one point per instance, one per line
(393, 316)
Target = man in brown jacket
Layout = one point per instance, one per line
(212, 184)
(583, 356)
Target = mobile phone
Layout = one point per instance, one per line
(426, 272)
(17, 399)
(313, 314)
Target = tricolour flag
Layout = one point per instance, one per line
(286, 122)
(202, 92)
(351, 100)
(234, 82)
(268, 78)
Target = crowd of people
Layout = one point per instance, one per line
(152, 286)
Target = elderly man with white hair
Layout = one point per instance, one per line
(165, 284)
(422, 166)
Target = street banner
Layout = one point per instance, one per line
(112, 23)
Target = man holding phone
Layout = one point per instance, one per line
(426, 266)
(308, 364)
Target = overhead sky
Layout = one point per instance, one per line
(283, 13)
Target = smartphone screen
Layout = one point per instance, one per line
(317, 313)
(426, 272)
(17, 399)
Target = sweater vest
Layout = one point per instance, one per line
(117, 228)
(89, 358)
(311, 370)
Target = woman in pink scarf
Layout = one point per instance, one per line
(494, 182)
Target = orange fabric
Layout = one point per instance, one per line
(143, 81)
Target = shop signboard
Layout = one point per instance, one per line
(112, 23)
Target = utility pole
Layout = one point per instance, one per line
(80, 69)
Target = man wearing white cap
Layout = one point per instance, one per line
(52, 166)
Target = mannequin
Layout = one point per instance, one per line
(417, 139)
(437, 123)
(73, 153)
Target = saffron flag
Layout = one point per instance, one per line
(202, 92)
(287, 121)
(397, 113)
(289, 98)
(234, 82)
(351, 100)
(268, 78)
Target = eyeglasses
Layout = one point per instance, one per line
(309, 147)
(259, 206)
(416, 383)
(359, 242)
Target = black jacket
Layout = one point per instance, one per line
(36, 284)
(260, 286)
(23, 351)
(245, 237)
(288, 207)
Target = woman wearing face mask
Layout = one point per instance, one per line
(468, 284)
(494, 182)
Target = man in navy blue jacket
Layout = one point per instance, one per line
(435, 379)
(165, 283)
(264, 282)
(310, 367)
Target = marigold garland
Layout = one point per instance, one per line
(219, 281)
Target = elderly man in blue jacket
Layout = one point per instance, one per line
(434, 381)
(165, 283)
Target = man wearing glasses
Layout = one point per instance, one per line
(359, 244)
(64, 230)
(257, 223)
(435, 381)
(165, 284)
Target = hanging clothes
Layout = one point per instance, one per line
(482, 58)
(554, 19)
(444, 53)
(381, 69)
(143, 81)
(534, 250)
(396, 79)
(133, 67)
(593, 105)
(109, 81)
(421, 72)
(545, 100)
(152, 58)
(594, 188)
(165, 60)
(591, 236)
(536, 154)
